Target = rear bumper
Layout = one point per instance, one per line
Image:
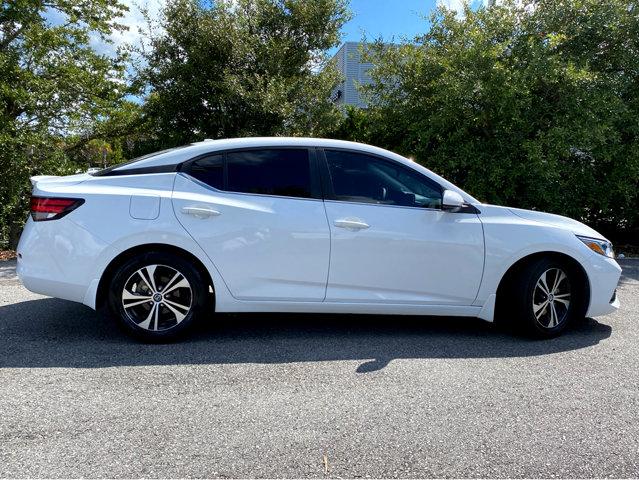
(58, 258)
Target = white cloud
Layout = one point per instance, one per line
(135, 20)
(136, 25)
(458, 5)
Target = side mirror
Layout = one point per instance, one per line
(452, 201)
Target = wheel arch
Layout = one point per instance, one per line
(107, 274)
(522, 263)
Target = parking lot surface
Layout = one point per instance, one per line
(315, 396)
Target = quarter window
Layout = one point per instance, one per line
(209, 170)
(359, 177)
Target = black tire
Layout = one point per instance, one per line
(528, 297)
(149, 314)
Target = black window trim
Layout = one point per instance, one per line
(321, 185)
(316, 189)
(169, 168)
(113, 170)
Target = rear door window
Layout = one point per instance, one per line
(284, 172)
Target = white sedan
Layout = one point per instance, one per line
(303, 225)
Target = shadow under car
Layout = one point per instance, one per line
(55, 333)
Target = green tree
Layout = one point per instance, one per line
(119, 134)
(53, 84)
(532, 104)
(249, 67)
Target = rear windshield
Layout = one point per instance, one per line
(106, 171)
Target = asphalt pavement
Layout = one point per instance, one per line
(315, 396)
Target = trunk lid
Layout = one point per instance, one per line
(55, 181)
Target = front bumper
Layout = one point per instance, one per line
(603, 275)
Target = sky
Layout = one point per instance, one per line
(389, 19)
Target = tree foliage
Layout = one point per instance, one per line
(248, 67)
(52, 85)
(532, 104)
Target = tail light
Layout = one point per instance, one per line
(52, 208)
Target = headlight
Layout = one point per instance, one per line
(602, 247)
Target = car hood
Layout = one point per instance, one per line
(566, 223)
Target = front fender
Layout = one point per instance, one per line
(510, 238)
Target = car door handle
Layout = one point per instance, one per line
(200, 212)
(351, 224)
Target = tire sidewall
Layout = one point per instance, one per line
(530, 280)
(186, 268)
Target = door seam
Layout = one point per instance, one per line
(330, 251)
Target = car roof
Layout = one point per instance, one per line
(180, 154)
(177, 155)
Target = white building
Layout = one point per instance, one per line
(348, 61)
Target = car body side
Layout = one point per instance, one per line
(67, 258)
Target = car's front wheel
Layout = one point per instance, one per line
(156, 296)
(548, 296)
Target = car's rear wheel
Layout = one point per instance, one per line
(156, 296)
(548, 296)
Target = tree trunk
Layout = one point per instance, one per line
(14, 235)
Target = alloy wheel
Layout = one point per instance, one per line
(157, 297)
(551, 298)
